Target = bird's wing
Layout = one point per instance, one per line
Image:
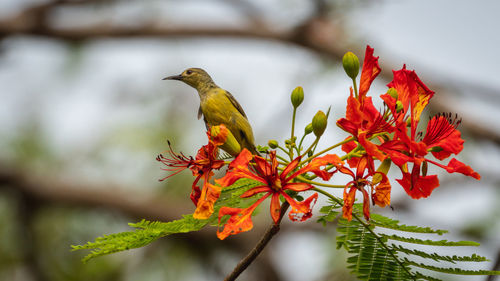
(235, 103)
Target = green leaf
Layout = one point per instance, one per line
(146, 231)
(437, 257)
(330, 213)
(457, 271)
(374, 256)
(370, 257)
(430, 242)
(385, 222)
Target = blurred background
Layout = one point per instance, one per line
(84, 112)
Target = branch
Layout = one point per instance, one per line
(53, 191)
(246, 261)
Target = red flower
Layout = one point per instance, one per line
(441, 137)
(378, 181)
(363, 120)
(369, 72)
(201, 167)
(274, 184)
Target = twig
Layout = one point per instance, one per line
(246, 261)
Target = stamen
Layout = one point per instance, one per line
(380, 124)
(176, 163)
(441, 126)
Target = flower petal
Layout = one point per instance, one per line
(195, 192)
(316, 164)
(258, 189)
(369, 72)
(275, 207)
(411, 92)
(298, 206)
(209, 196)
(241, 160)
(371, 148)
(290, 167)
(262, 166)
(382, 194)
(349, 198)
(353, 113)
(219, 135)
(366, 204)
(297, 186)
(236, 174)
(297, 215)
(455, 166)
(240, 220)
(420, 186)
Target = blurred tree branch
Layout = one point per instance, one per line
(51, 191)
(34, 191)
(316, 33)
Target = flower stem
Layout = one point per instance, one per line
(325, 150)
(292, 135)
(252, 255)
(302, 179)
(355, 87)
(284, 161)
(300, 143)
(284, 150)
(308, 149)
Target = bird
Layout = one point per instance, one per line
(218, 106)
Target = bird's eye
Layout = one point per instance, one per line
(189, 72)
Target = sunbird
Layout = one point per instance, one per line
(218, 106)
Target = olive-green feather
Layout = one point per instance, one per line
(218, 106)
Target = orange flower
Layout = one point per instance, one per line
(380, 188)
(201, 167)
(274, 184)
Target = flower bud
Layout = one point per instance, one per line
(272, 144)
(297, 96)
(393, 93)
(350, 62)
(230, 145)
(399, 106)
(319, 123)
(308, 129)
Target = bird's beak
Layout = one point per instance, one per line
(174, 77)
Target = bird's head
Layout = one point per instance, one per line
(194, 77)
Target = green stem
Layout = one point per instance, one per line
(290, 152)
(302, 179)
(283, 149)
(326, 150)
(355, 87)
(307, 151)
(285, 162)
(300, 143)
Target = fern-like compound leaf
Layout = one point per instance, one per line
(376, 255)
(147, 231)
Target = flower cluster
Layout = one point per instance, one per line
(393, 133)
(377, 139)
